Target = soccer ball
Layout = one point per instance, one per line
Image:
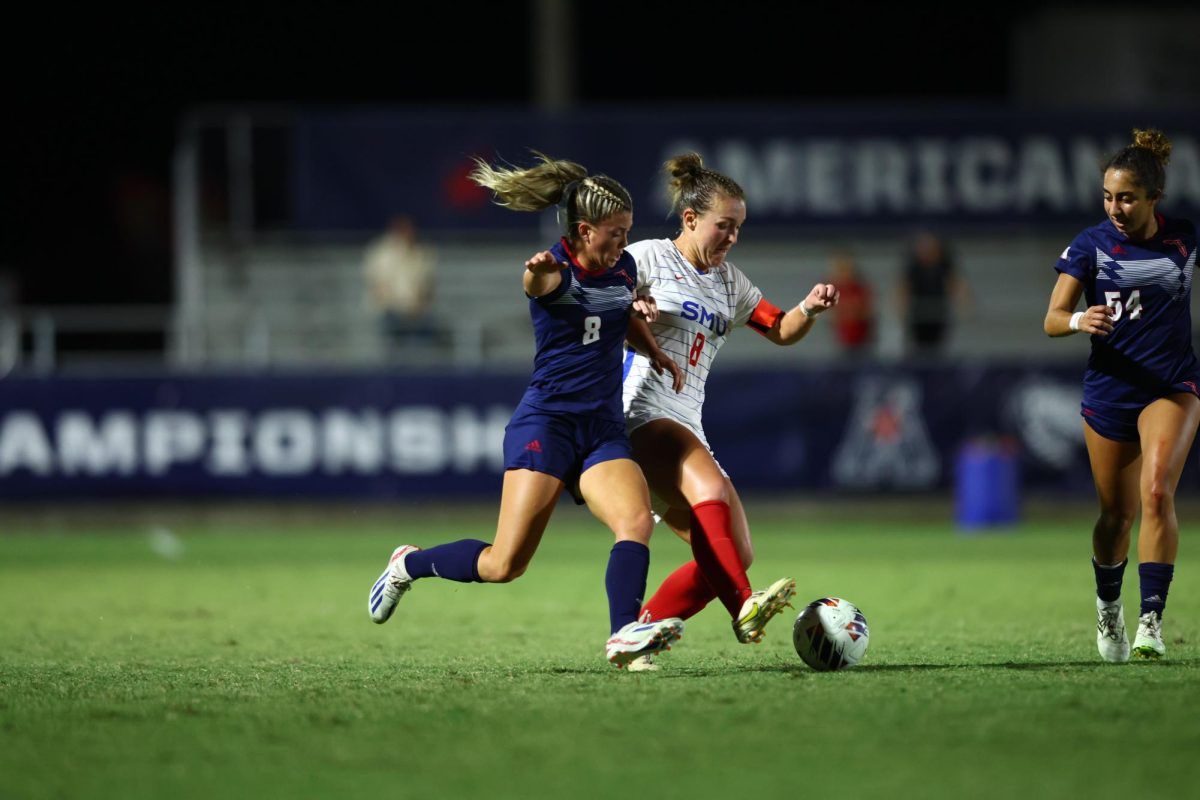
(830, 633)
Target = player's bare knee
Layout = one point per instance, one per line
(635, 527)
(1115, 521)
(1157, 500)
(510, 573)
(501, 571)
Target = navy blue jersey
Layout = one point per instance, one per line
(580, 332)
(1148, 285)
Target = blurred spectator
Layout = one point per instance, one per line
(929, 286)
(399, 275)
(854, 315)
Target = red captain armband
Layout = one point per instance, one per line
(764, 317)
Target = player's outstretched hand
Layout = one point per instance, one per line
(1097, 320)
(644, 304)
(543, 263)
(661, 362)
(822, 297)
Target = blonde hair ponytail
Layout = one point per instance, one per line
(585, 198)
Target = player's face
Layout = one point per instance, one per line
(1126, 204)
(716, 231)
(604, 242)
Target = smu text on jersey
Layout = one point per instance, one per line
(691, 310)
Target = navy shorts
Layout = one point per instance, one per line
(564, 446)
(1119, 421)
(1115, 422)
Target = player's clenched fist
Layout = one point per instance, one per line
(822, 297)
(1096, 320)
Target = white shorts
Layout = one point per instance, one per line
(637, 416)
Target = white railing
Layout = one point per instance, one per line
(31, 337)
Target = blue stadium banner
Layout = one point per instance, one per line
(801, 168)
(283, 436)
(436, 435)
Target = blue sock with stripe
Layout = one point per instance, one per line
(625, 582)
(1108, 580)
(456, 561)
(1156, 580)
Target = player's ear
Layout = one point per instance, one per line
(689, 219)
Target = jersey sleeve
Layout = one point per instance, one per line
(746, 297)
(1079, 259)
(564, 284)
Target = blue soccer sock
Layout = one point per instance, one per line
(1156, 581)
(456, 561)
(625, 581)
(1108, 580)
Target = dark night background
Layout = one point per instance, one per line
(99, 95)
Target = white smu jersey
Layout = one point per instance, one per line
(696, 312)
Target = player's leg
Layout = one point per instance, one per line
(616, 493)
(740, 526)
(1167, 428)
(682, 472)
(685, 592)
(526, 504)
(538, 451)
(525, 507)
(1115, 469)
(763, 603)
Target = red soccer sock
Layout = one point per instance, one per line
(715, 552)
(683, 594)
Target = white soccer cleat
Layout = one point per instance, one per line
(1148, 643)
(642, 664)
(760, 607)
(642, 639)
(390, 586)
(1111, 640)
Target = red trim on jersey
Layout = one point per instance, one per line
(575, 261)
(571, 255)
(764, 317)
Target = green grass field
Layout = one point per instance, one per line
(232, 657)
